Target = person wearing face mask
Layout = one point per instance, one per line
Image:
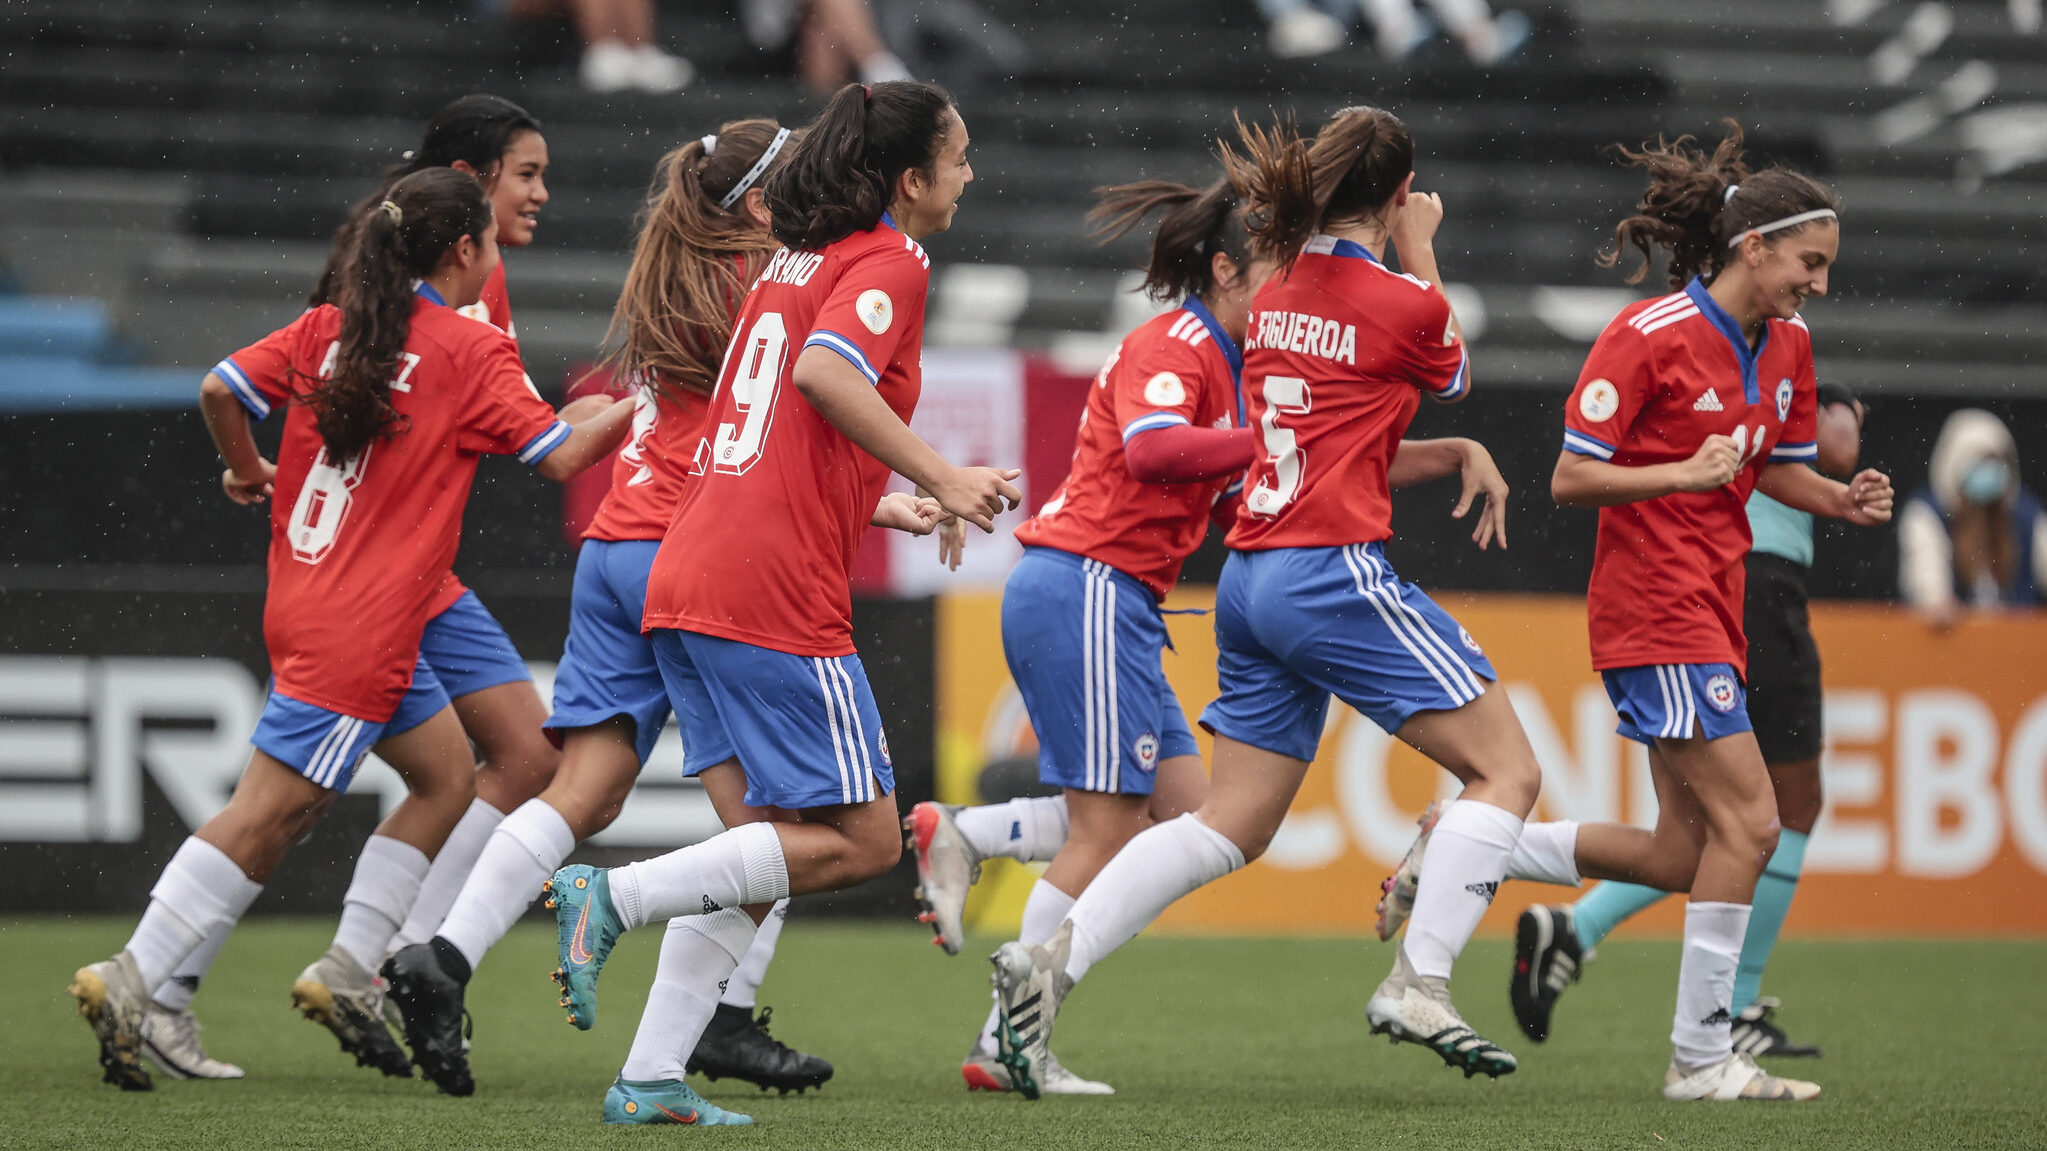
(1973, 537)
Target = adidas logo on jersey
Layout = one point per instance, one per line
(1710, 402)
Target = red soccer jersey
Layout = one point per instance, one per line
(761, 547)
(647, 473)
(1336, 356)
(493, 307)
(1177, 368)
(1667, 578)
(357, 549)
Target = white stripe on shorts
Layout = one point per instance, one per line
(1449, 672)
(328, 758)
(863, 785)
(1430, 637)
(831, 712)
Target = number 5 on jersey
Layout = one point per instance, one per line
(738, 447)
(1288, 396)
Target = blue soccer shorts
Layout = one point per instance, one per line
(468, 649)
(326, 746)
(1295, 626)
(607, 666)
(1084, 643)
(804, 728)
(1674, 700)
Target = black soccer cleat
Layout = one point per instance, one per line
(1755, 1034)
(1547, 959)
(429, 998)
(738, 1045)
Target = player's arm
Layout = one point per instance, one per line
(597, 425)
(1865, 500)
(842, 395)
(1185, 454)
(1419, 461)
(1582, 481)
(904, 512)
(249, 477)
(1414, 240)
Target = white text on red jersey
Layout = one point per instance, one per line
(1306, 334)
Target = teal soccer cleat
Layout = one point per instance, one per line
(586, 927)
(666, 1101)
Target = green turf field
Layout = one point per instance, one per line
(1210, 1043)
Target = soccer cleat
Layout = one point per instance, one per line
(1755, 1034)
(1413, 1009)
(1057, 1080)
(1547, 959)
(113, 1001)
(336, 993)
(985, 1072)
(429, 1000)
(1735, 1077)
(170, 1039)
(666, 1101)
(586, 927)
(1030, 983)
(947, 866)
(737, 1044)
(1397, 901)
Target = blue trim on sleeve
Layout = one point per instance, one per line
(1460, 380)
(1584, 445)
(826, 338)
(1152, 423)
(1795, 453)
(238, 383)
(541, 446)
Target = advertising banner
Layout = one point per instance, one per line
(1935, 770)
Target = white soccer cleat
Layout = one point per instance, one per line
(1057, 1080)
(1408, 1008)
(170, 1039)
(113, 1000)
(947, 866)
(1030, 983)
(1735, 1077)
(1397, 902)
(336, 993)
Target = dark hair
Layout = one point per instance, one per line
(1198, 223)
(843, 175)
(477, 130)
(694, 261)
(394, 242)
(1293, 189)
(1687, 208)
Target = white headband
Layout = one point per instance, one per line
(1786, 222)
(754, 173)
(710, 143)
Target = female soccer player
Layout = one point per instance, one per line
(703, 240)
(1337, 353)
(749, 603)
(393, 398)
(1688, 403)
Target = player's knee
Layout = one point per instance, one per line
(875, 855)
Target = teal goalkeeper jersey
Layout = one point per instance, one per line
(1780, 531)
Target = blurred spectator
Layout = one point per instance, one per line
(619, 51)
(955, 42)
(1974, 536)
(1313, 27)
(835, 41)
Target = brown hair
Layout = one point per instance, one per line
(843, 176)
(1293, 188)
(390, 248)
(1687, 208)
(1198, 223)
(693, 262)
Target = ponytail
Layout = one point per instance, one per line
(475, 130)
(393, 243)
(1697, 205)
(694, 260)
(1197, 223)
(1293, 189)
(843, 175)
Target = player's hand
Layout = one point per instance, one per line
(1869, 498)
(250, 489)
(1418, 220)
(1712, 466)
(1481, 477)
(978, 495)
(952, 542)
(904, 512)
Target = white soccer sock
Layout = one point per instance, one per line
(1045, 909)
(737, 867)
(450, 870)
(1461, 870)
(1702, 1030)
(1163, 863)
(176, 992)
(1030, 830)
(522, 852)
(697, 954)
(197, 893)
(387, 879)
(1547, 853)
(753, 967)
